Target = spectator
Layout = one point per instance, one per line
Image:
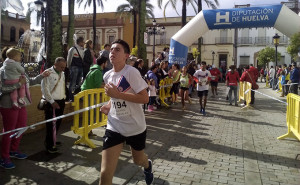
(294, 78)
(151, 74)
(152, 94)
(191, 71)
(166, 53)
(254, 71)
(160, 58)
(261, 74)
(89, 57)
(272, 76)
(232, 79)
(105, 53)
(215, 75)
(13, 118)
(53, 90)
(139, 66)
(248, 77)
(75, 65)
(282, 74)
(175, 75)
(185, 78)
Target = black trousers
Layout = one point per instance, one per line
(49, 125)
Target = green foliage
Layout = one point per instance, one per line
(195, 52)
(294, 46)
(134, 51)
(267, 55)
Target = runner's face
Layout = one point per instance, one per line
(117, 54)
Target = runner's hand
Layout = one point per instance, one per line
(111, 90)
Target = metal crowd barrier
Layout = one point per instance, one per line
(164, 91)
(292, 117)
(84, 122)
(245, 93)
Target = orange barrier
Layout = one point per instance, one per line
(292, 117)
(90, 119)
(245, 93)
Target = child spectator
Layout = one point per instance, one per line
(12, 73)
(283, 82)
(152, 94)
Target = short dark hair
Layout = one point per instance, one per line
(101, 60)
(247, 67)
(284, 65)
(294, 64)
(153, 67)
(251, 65)
(124, 44)
(79, 39)
(106, 45)
(203, 63)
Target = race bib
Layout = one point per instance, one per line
(119, 108)
(213, 77)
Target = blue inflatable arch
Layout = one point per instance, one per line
(277, 16)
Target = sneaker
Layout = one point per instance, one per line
(149, 174)
(7, 164)
(203, 112)
(58, 143)
(190, 102)
(52, 150)
(183, 108)
(17, 155)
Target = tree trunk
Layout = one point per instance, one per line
(142, 53)
(54, 25)
(183, 18)
(70, 29)
(199, 39)
(94, 23)
(134, 27)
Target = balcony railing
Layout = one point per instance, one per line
(224, 40)
(245, 41)
(262, 40)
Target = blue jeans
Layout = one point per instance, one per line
(75, 79)
(234, 89)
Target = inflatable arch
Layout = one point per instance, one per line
(277, 16)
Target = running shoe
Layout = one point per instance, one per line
(149, 174)
(17, 155)
(203, 112)
(7, 164)
(52, 150)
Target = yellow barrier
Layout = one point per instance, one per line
(245, 86)
(292, 117)
(279, 84)
(267, 81)
(164, 91)
(90, 119)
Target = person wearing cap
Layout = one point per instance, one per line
(294, 78)
(215, 75)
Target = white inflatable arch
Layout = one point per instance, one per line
(277, 16)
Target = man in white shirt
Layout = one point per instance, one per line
(272, 75)
(203, 76)
(126, 121)
(53, 90)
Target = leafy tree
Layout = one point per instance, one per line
(142, 28)
(294, 46)
(88, 3)
(267, 55)
(132, 9)
(71, 29)
(54, 25)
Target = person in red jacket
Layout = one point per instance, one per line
(215, 75)
(247, 76)
(254, 71)
(232, 79)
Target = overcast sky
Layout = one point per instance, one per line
(111, 6)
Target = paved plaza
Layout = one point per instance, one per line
(229, 145)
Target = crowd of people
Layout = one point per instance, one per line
(128, 85)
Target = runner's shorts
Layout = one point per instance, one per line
(111, 138)
(202, 93)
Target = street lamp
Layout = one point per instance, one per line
(213, 57)
(41, 7)
(155, 30)
(276, 43)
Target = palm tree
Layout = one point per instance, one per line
(70, 29)
(88, 3)
(132, 8)
(142, 28)
(54, 25)
(213, 5)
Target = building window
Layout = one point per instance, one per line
(111, 39)
(21, 32)
(12, 34)
(244, 60)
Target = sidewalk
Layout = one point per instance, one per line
(227, 146)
